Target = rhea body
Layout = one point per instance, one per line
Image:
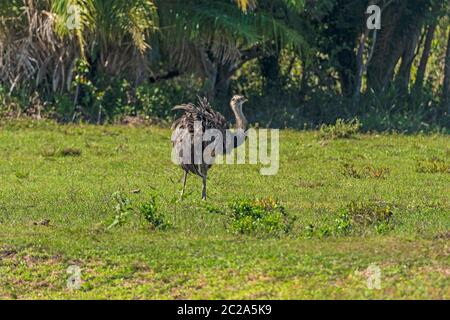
(184, 132)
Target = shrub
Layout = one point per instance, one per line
(340, 130)
(149, 211)
(263, 216)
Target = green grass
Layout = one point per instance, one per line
(58, 190)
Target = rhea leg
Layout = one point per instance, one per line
(184, 184)
(204, 173)
(204, 186)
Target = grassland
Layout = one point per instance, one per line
(56, 203)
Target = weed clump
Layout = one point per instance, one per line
(213, 209)
(260, 216)
(360, 217)
(122, 208)
(149, 211)
(64, 152)
(48, 153)
(70, 152)
(340, 130)
(369, 171)
(433, 165)
(356, 218)
(22, 175)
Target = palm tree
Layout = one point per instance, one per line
(43, 39)
(214, 38)
(115, 37)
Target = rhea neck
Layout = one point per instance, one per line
(241, 120)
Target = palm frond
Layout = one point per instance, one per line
(220, 28)
(42, 39)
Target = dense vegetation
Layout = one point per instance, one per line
(301, 62)
(106, 199)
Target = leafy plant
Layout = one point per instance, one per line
(317, 231)
(153, 216)
(122, 208)
(356, 218)
(213, 209)
(264, 216)
(343, 223)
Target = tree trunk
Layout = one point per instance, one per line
(397, 39)
(345, 25)
(425, 57)
(347, 70)
(409, 53)
(361, 67)
(222, 81)
(446, 88)
(386, 53)
(218, 75)
(270, 70)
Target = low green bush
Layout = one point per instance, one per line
(355, 219)
(260, 216)
(360, 217)
(340, 130)
(156, 219)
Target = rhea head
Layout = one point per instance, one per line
(237, 101)
(236, 105)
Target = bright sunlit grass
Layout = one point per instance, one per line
(59, 191)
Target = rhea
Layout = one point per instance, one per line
(202, 114)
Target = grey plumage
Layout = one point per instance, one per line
(183, 132)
